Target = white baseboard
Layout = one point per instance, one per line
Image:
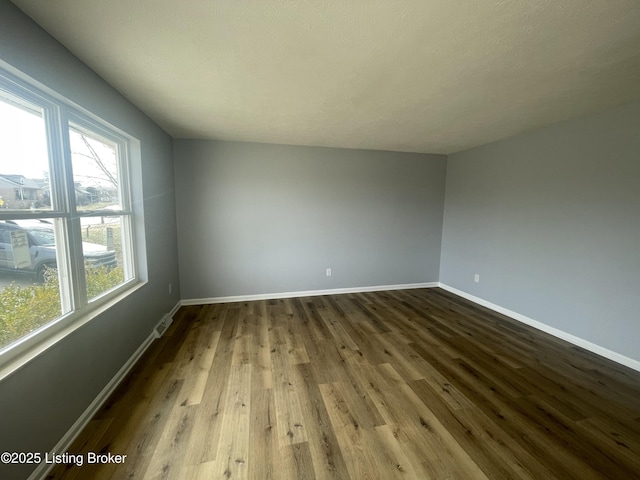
(580, 342)
(309, 293)
(175, 308)
(65, 442)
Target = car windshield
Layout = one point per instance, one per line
(43, 236)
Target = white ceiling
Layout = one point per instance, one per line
(435, 76)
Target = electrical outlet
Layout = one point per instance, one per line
(476, 278)
(170, 288)
(328, 272)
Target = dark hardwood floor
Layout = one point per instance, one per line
(401, 384)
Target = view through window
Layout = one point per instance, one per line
(65, 211)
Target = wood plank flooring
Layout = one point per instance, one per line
(413, 384)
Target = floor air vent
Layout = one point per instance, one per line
(162, 326)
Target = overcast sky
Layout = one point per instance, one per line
(23, 148)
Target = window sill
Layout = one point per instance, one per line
(31, 346)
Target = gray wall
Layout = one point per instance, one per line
(41, 401)
(257, 218)
(551, 222)
(548, 219)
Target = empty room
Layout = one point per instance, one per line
(312, 240)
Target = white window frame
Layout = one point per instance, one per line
(60, 115)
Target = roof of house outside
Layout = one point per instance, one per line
(19, 181)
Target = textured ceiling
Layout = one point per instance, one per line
(435, 76)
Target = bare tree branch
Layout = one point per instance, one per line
(99, 162)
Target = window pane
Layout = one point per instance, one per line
(29, 288)
(24, 161)
(104, 245)
(95, 170)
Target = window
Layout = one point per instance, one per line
(66, 218)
